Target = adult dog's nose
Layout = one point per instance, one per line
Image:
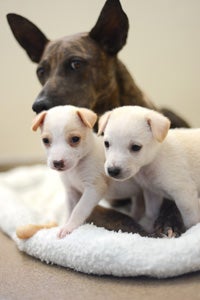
(114, 171)
(59, 164)
(41, 104)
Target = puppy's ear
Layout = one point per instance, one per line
(158, 124)
(103, 121)
(87, 116)
(38, 120)
(111, 29)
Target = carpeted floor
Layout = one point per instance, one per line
(25, 278)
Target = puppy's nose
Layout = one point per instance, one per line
(113, 171)
(58, 164)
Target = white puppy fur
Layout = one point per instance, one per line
(78, 153)
(166, 163)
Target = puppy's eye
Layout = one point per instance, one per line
(74, 140)
(106, 144)
(46, 141)
(136, 148)
(40, 72)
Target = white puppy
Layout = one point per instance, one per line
(166, 163)
(78, 153)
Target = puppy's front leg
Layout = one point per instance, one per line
(153, 203)
(72, 197)
(137, 207)
(81, 211)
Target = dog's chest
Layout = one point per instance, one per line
(147, 178)
(74, 179)
(122, 189)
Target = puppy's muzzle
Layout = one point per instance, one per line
(59, 165)
(114, 171)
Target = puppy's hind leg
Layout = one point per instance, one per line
(188, 203)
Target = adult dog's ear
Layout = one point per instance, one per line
(158, 124)
(111, 29)
(38, 120)
(87, 116)
(103, 122)
(28, 36)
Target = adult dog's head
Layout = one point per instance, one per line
(83, 69)
(79, 69)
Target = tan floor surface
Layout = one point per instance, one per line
(23, 277)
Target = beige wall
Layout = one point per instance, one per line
(162, 53)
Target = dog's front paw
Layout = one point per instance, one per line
(168, 229)
(65, 230)
(169, 222)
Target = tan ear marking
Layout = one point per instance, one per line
(87, 116)
(38, 120)
(159, 125)
(103, 122)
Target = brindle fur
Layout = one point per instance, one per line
(100, 81)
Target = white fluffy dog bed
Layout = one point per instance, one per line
(35, 195)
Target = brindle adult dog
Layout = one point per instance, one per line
(84, 70)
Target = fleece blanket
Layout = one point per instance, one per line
(35, 195)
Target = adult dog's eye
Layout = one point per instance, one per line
(46, 141)
(75, 140)
(136, 148)
(76, 64)
(40, 72)
(107, 144)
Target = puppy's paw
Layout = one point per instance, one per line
(65, 230)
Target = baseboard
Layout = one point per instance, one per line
(8, 163)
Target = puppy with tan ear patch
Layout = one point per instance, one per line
(77, 153)
(165, 163)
